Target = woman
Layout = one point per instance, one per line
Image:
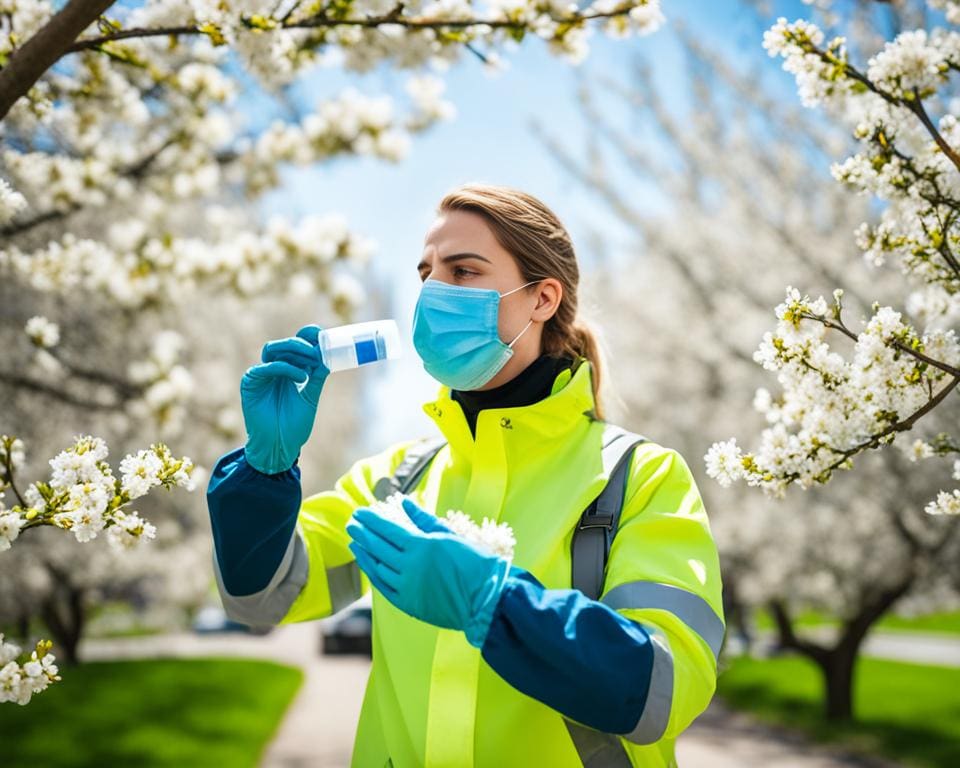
(478, 661)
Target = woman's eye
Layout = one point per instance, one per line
(457, 272)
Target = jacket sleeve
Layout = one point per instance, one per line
(574, 654)
(278, 559)
(641, 661)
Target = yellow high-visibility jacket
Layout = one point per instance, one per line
(431, 698)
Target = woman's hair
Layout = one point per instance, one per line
(539, 243)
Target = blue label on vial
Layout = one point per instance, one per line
(366, 351)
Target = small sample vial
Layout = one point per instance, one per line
(350, 346)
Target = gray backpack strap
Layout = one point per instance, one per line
(598, 523)
(408, 472)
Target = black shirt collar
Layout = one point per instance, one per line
(532, 384)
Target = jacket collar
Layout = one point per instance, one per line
(569, 404)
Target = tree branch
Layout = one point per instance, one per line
(322, 20)
(874, 440)
(8, 478)
(789, 638)
(42, 388)
(44, 49)
(137, 170)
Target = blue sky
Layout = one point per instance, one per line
(490, 140)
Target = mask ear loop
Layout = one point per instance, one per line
(520, 334)
(513, 290)
(510, 345)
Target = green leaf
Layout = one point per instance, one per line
(517, 33)
(213, 32)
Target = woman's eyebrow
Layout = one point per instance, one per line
(456, 257)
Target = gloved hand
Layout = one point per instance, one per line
(279, 399)
(431, 574)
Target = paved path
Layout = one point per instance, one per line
(319, 727)
(919, 648)
(926, 648)
(724, 738)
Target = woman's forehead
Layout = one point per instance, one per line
(462, 232)
(458, 224)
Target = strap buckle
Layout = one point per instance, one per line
(597, 520)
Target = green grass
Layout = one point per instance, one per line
(908, 712)
(160, 712)
(948, 622)
(935, 622)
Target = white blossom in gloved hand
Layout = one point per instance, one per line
(430, 573)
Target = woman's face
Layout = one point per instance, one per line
(460, 249)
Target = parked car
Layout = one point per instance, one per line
(349, 630)
(212, 618)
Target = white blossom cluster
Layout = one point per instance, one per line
(902, 159)
(25, 19)
(11, 202)
(950, 8)
(19, 681)
(350, 123)
(58, 182)
(794, 41)
(141, 260)
(488, 534)
(165, 269)
(12, 457)
(276, 55)
(836, 405)
(10, 525)
(83, 495)
(915, 62)
(44, 335)
(918, 449)
(168, 385)
(128, 530)
(42, 332)
(944, 504)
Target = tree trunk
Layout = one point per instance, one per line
(838, 683)
(837, 663)
(23, 626)
(65, 617)
(736, 616)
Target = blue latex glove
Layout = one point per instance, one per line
(279, 399)
(431, 574)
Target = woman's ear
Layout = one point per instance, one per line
(551, 294)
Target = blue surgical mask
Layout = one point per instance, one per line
(455, 333)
